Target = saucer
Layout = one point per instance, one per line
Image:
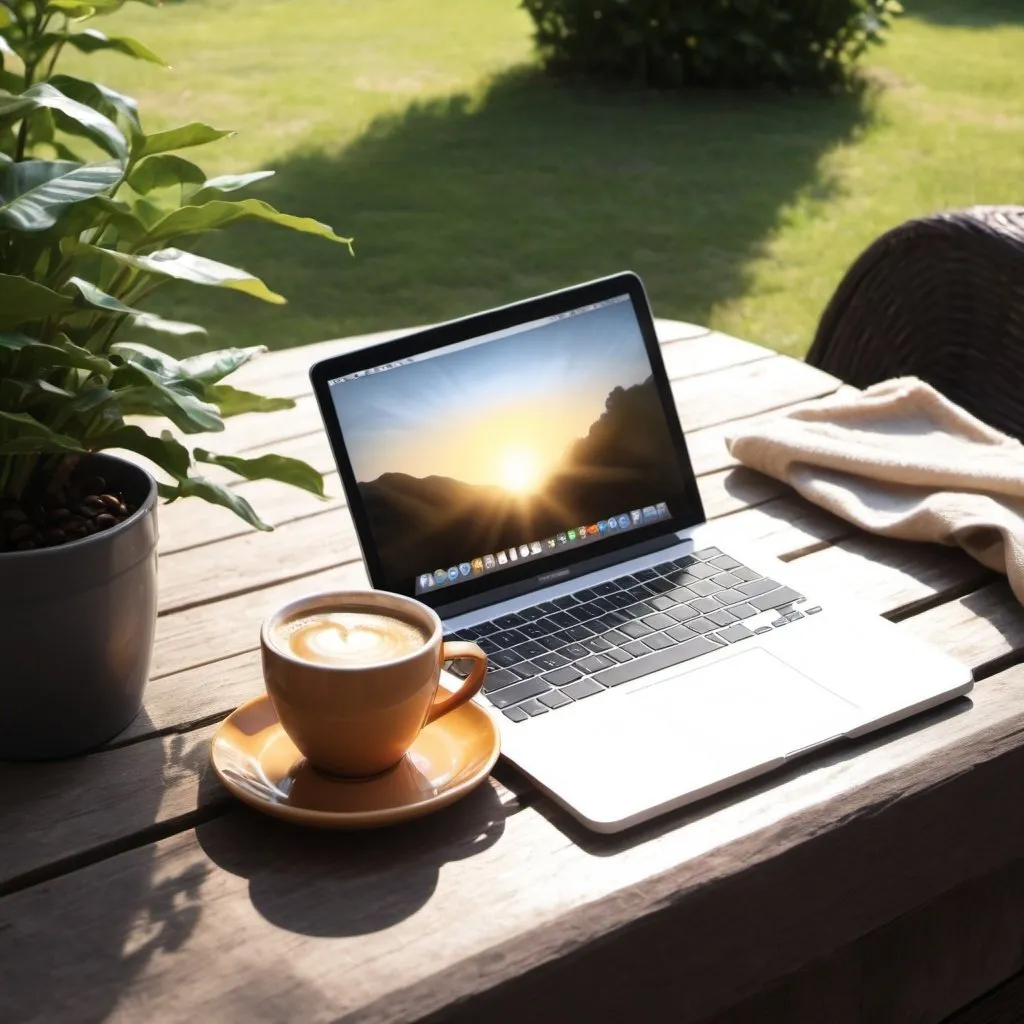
(260, 765)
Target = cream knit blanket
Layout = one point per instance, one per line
(900, 460)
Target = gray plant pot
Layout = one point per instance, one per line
(76, 630)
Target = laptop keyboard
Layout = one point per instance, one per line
(558, 652)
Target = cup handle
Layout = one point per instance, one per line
(450, 650)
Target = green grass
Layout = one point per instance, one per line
(423, 130)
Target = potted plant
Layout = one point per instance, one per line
(96, 214)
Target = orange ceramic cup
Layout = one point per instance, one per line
(361, 720)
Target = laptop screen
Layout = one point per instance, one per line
(513, 447)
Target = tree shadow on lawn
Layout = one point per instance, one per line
(968, 13)
(461, 203)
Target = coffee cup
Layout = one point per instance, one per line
(353, 676)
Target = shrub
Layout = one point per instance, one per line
(733, 43)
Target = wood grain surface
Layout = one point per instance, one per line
(839, 890)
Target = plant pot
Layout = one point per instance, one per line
(76, 629)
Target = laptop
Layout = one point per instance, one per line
(523, 471)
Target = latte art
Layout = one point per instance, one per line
(349, 639)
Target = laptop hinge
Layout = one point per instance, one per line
(499, 594)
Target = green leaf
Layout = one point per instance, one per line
(6, 18)
(218, 213)
(88, 400)
(72, 8)
(51, 389)
(98, 298)
(230, 183)
(66, 353)
(22, 301)
(194, 134)
(210, 367)
(32, 437)
(163, 171)
(233, 402)
(14, 342)
(186, 266)
(167, 368)
(268, 467)
(44, 96)
(152, 322)
(167, 453)
(147, 393)
(149, 213)
(121, 109)
(87, 218)
(186, 412)
(200, 487)
(33, 193)
(91, 40)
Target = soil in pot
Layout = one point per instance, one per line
(84, 506)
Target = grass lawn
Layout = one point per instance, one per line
(423, 130)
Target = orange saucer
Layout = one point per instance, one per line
(259, 764)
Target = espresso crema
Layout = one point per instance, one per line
(348, 639)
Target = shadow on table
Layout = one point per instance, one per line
(968, 13)
(349, 883)
(471, 200)
(104, 918)
(609, 845)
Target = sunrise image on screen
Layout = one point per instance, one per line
(518, 439)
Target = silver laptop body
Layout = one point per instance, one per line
(524, 472)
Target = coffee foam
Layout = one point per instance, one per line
(349, 639)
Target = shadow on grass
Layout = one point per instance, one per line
(968, 13)
(466, 202)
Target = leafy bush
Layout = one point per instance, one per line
(735, 43)
(92, 211)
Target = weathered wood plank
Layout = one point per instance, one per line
(210, 632)
(894, 577)
(760, 386)
(254, 560)
(60, 811)
(195, 695)
(982, 626)
(191, 523)
(922, 967)
(707, 446)
(1003, 1006)
(735, 489)
(704, 908)
(692, 357)
(786, 527)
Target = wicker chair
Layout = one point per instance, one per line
(941, 298)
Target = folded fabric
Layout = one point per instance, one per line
(900, 460)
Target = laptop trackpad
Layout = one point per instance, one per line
(743, 708)
(687, 734)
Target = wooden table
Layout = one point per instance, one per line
(882, 881)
